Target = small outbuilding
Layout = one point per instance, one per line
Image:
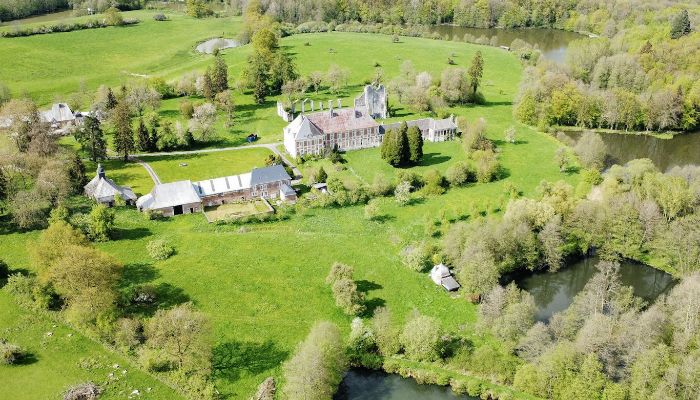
(172, 198)
(103, 190)
(442, 276)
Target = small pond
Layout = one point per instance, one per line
(552, 42)
(554, 292)
(212, 45)
(363, 384)
(682, 149)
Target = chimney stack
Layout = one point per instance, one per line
(100, 171)
(330, 107)
(339, 104)
(320, 105)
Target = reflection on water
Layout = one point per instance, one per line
(683, 149)
(362, 384)
(552, 42)
(554, 292)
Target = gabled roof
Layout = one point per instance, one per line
(101, 187)
(275, 173)
(287, 190)
(59, 112)
(423, 124)
(170, 194)
(341, 120)
(303, 128)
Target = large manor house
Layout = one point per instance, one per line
(354, 128)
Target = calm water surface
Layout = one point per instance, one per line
(552, 42)
(362, 384)
(683, 149)
(554, 292)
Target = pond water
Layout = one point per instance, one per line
(683, 149)
(554, 292)
(363, 384)
(212, 45)
(552, 42)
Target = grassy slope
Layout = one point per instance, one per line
(264, 288)
(60, 360)
(48, 66)
(208, 165)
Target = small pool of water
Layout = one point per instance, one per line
(552, 42)
(363, 384)
(554, 292)
(212, 45)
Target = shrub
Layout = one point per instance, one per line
(381, 186)
(186, 109)
(434, 183)
(160, 17)
(459, 174)
(421, 338)
(372, 211)
(487, 166)
(113, 17)
(159, 249)
(339, 271)
(10, 353)
(416, 256)
(402, 194)
(83, 391)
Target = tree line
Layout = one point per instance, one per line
(639, 78)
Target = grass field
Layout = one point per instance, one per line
(263, 287)
(235, 210)
(52, 66)
(63, 359)
(207, 165)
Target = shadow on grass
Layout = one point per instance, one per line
(138, 273)
(130, 234)
(231, 360)
(365, 286)
(26, 359)
(383, 218)
(371, 305)
(433, 159)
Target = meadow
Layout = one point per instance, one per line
(263, 286)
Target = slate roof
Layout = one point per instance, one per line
(423, 124)
(303, 128)
(103, 188)
(59, 112)
(344, 119)
(450, 284)
(171, 194)
(270, 174)
(287, 190)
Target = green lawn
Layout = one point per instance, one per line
(63, 359)
(48, 67)
(263, 287)
(235, 210)
(207, 165)
(126, 174)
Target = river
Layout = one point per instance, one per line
(552, 42)
(554, 292)
(363, 384)
(682, 149)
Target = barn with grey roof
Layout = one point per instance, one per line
(103, 190)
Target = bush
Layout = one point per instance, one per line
(113, 17)
(434, 183)
(381, 186)
(160, 17)
(402, 194)
(10, 353)
(83, 391)
(186, 109)
(159, 249)
(416, 256)
(459, 174)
